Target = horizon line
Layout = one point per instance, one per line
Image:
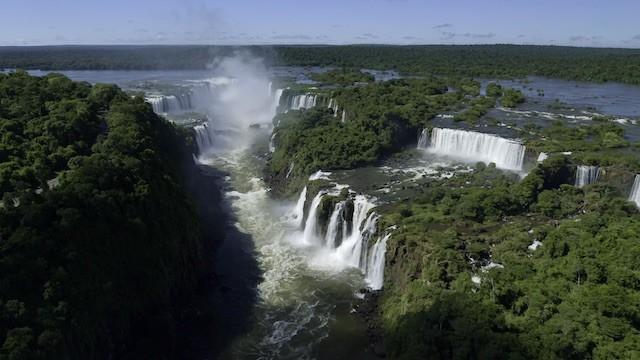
(316, 44)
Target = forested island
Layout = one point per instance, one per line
(492, 61)
(101, 244)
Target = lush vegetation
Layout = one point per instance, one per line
(558, 137)
(380, 118)
(511, 98)
(343, 77)
(461, 277)
(98, 237)
(463, 282)
(477, 108)
(492, 61)
(602, 143)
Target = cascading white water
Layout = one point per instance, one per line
(335, 224)
(297, 215)
(203, 136)
(304, 101)
(310, 235)
(635, 191)
(474, 146)
(423, 140)
(169, 104)
(290, 171)
(272, 142)
(333, 105)
(353, 248)
(542, 157)
(375, 264)
(277, 95)
(347, 239)
(344, 116)
(197, 97)
(586, 175)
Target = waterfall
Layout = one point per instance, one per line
(297, 215)
(354, 246)
(474, 146)
(220, 98)
(542, 157)
(203, 137)
(272, 142)
(198, 97)
(310, 235)
(423, 140)
(276, 99)
(169, 104)
(291, 167)
(347, 235)
(344, 116)
(304, 101)
(586, 175)
(319, 175)
(275, 105)
(202, 93)
(375, 265)
(335, 225)
(635, 191)
(333, 105)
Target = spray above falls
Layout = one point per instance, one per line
(474, 146)
(235, 107)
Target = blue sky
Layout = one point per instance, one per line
(562, 22)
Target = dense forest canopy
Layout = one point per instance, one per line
(98, 236)
(485, 266)
(589, 64)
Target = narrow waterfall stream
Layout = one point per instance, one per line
(586, 175)
(634, 195)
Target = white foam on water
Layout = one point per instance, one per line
(318, 175)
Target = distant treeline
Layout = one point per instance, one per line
(588, 64)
